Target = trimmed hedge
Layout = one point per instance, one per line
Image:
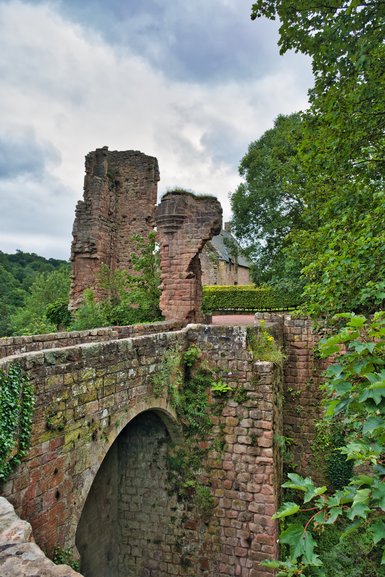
(246, 298)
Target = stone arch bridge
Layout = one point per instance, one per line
(95, 478)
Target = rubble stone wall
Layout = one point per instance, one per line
(185, 223)
(302, 402)
(87, 394)
(19, 554)
(120, 191)
(18, 345)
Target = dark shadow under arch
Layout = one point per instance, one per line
(129, 514)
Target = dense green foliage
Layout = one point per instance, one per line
(355, 398)
(340, 247)
(247, 298)
(34, 293)
(130, 298)
(17, 274)
(35, 316)
(268, 204)
(336, 161)
(16, 411)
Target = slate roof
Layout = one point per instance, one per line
(218, 243)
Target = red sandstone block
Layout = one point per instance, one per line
(268, 549)
(265, 539)
(267, 490)
(265, 441)
(259, 508)
(231, 421)
(246, 423)
(243, 477)
(231, 494)
(231, 514)
(240, 551)
(254, 487)
(240, 449)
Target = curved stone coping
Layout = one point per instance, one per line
(19, 554)
(24, 344)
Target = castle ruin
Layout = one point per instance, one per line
(120, 193)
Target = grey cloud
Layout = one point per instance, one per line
(224, 144)
(34, 217)
(22, 154)
(200, 41)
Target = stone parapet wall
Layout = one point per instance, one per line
(18, 345)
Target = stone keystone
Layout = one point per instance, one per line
(185, 223)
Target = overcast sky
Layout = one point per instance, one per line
(192, 83)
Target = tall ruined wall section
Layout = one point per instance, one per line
(120, 190)
(185, 223)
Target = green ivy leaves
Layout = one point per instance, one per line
(16, 413)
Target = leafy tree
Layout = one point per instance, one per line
(355, 396)
(46, 288)
(342, 151)
(268, 204)
(11, 297)
(17, 274)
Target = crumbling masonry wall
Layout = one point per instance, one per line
(86, 394)
(185, 223)
(120, 192)
(302, 402)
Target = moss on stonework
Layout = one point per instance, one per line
(184, 192)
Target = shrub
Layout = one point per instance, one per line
(246, 298)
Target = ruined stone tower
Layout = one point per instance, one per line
(120, 190)
(185, 223)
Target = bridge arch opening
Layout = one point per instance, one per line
(128, 524)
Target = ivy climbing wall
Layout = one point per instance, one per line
(217, 481)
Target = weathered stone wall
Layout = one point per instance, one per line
(18, 345)
(19, 554)
(302, 407)
(185, 223)
(86, 396)
(120, 190)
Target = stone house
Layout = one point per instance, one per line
(222, 261)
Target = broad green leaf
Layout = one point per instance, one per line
(298, 482)
(286, 510)
(358, 510)
(373, 424)
(301, 543)
(362, 496)
(314, 492)
(376, 391)
(349, 530)
(362, 480)
(356, 321)
(334, 370)
(333, 515)
(342, 387)
(378, 531)
(378, 495)
(360, 347)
